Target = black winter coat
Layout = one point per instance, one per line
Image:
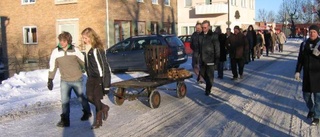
(92, 66)
(209, 47)
(267, 39)
(194, 44)
(252, 38)
(223, 50)
(310, 65)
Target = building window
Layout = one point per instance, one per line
(167, 2)
(243, 3)
(154, 1)
(234, 2)
(191, 29)
(65, 1)
(208, 2)
(184, 30)
(30, 35)
(70, 25)
(251, 2)
(28, 1)
(122, 30)
(188, 3)
(154, 27)
(139, 0)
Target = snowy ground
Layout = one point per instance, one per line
(267, 102)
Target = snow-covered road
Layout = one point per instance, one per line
(267, 102)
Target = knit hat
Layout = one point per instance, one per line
(236, 27)
(314, 27)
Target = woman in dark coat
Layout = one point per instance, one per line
(252, 40)
(99, 77)
(309, 61)
(223, 52)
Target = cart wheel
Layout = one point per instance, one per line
(119, 98)
(154, 99)
(181, 90)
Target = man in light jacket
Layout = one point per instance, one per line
(281, 38)
(70, 61)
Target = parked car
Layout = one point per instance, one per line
(128, 55)
(186, 39)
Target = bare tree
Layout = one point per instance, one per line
(304, 12)
(290, 12)
(266, 16)
(262, 15)
(316, 8)
(271, 17)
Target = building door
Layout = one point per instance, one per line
(154, 27)
(71, 26)
(4, 73)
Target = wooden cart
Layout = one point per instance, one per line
(156, 57)
(147, 87)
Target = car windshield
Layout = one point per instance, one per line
(174, 41)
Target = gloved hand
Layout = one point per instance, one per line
(297, 76)
(50, 84)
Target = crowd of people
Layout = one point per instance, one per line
(211, 50)
(214, 48)
(229, 51)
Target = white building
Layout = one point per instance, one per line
(218, 12)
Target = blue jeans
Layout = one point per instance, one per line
(313, 105)
(66, 87)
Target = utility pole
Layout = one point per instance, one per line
(228, 14)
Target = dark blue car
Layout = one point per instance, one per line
(128, 55)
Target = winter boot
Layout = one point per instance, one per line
(98, 121)
(64, 122)
(85, 116)
(310, 115)
(315, 122)
(105, 109)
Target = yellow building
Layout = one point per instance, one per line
(32, 26)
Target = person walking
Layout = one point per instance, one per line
(209, 54)
(273, 40)
(237, 45)
(281, 38)
(99, 77)
(195, 54)
(259, 45)
(309, 61)
(70, 61)
(227, 65)
(268, 41)
(223, 51)
(252, 40)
